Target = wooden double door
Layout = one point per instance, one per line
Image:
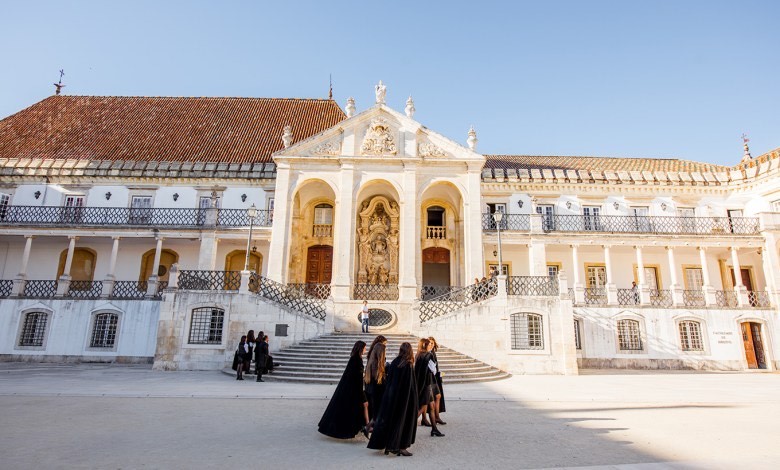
(754, 345)
(319, 264)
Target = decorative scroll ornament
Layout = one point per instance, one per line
(328, 148)
(427, 149)
(378, 139)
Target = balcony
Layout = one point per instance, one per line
(68, 216)
(435, 233)
(664, 225)
(322, 230)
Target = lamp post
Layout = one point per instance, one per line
(498, 216)
(251, 213)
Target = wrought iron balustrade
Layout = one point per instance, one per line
(288, 295)
(6, 287)
(532, 286)
(322, 230)
(40, 289)
(595, 296)
(661, 298)
(129, 290)
(130, 217)
(694, 298)
(429, 292)
(669, 225)
(435, 233)
(628, 297)
(726, 298)
(162, 285)
(758, 299)
(458, 299)
(84, 289)
(209, 280)
(571, 296)
(514, 222)
(311, 289)
(375, 292)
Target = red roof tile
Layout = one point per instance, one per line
(234, 130)
(528, 162)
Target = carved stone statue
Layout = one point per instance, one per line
(378, 242)
(350, 108)
(472, 140)
(381, 91)
(409, 109)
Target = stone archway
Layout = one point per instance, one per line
(167, 259)
(235, 260)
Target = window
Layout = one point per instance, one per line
(5, 199)
(592, 218)
(552, 270)
(206, 326)
(693, 279)
(33, 329)
(140, 209)
(735, 224)
(596, 276)
(776, 206)
(323, 214)
(629, 338)
(492, 209)
(548, 220)
(577, 339)
(687, 220)
(494, 267)
(73, 211)
(527, 331)
(640, 218)
(104, 330)
(690, 336)
(270, 208)
(435, 216)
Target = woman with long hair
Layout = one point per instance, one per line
(347, 412)
(424, 369)
(395, 426)
(242, 352)
(377, 340)
(262, 356)
(374, 380)
(250, 343)
(438, 389)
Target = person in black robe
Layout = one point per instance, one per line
(242, 355)
(261, 357)
(424, 368)
(250, 342)
(347, 412)
(440, 408)
(375, 381)
(395, 427)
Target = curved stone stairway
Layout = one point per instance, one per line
(322, 360)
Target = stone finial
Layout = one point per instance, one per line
(287, 137)
(381, 91)
(350, 107)
(746, 157)
(472, 140)
(410, 107)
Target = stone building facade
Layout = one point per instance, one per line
(161, 229)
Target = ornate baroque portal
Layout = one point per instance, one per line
(378, 242)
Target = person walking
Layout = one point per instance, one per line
(424, 370)
(438, 391)
(374, 380)
(395, 426)
(347, 412)
(364, 315)
(261, 357)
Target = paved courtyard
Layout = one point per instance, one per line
(101, 416)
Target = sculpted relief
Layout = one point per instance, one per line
(379, 139)
(378, 242)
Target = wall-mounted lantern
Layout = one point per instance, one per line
(663, 206)
(520, 203)
(175, 197)
(37, 194)
(108, 195)
(243, 197)
(616, 205)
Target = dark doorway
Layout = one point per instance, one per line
(754, 346)
(436, 271)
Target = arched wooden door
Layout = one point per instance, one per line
(754, 345)
(319, 264)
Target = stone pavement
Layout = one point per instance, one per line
(110, 416)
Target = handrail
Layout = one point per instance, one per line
(457, 299)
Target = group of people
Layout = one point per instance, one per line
(249, 346)
(384, 401)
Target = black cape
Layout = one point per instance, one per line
(396, 424)
(442, 409)
(343, 418)
(375, 392)
(424, 378)
(261, 357)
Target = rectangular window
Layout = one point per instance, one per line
(140, 209)
(687, 219)
(552, 270)
(776, 206)
(651, 278)
(492, 209)
(693, 279)
(5, 199)
(73, 212)
(323, 215)
(527, 331)
(640, 219)
(596, 276)
(494, 267)
(629, 337)
(592, 218)
(104, 331)
(577, 339)
(206, 325)
(548, 217)
(34, 329)
(270, 207)
(690, 336)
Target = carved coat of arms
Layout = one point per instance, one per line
(379, 139)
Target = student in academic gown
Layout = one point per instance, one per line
(425, 369)
(395, 426)
(375, 380)
(440, 395)
(347, 412)
(261, 356)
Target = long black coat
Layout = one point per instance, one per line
(442, 409)
(395, 426)
(343, 418)
(424, 377)
(261, 357)
(375, 392)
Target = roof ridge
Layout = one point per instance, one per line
(594, 156)
(195, 97)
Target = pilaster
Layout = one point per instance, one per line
(280, 232)
(343, 235)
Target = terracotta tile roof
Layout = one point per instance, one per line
(231, 130)
(528, 162)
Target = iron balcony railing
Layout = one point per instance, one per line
(375, 292)
(457, 299)
(311, 289)
(129, 290)
(661, 298)
(6, 287)
(429, 292)
(595, 296)
(532, 286)
(694, 298)
(291, 296)
(628, 297)
(517, 222)
(209, 280)
(84, 289)
(726, 298)
(129, 216)
(758, 299)
(40, 289)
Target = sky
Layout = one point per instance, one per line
(661, 79)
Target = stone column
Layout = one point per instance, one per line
(473, 224)
(644, 289)
(675, 287)
(707, 289)
(612, 298)
(741, 290)
(151, 289)
(343, 235)
(537, 259)
(207, 255)
(409, 239)
(771, 260)
(108, 282)
(278, 252)
(21, 279)
(579, 289)
(63, 283)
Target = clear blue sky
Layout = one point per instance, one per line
(609, 78)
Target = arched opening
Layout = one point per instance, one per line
(323, 220)
(167, 259)
(753, 342)
(435, 272)
(83, 266)
(312, 225)
(235, 260)
(442, 227)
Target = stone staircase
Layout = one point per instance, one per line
(322, 360)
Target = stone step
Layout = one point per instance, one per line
(341, 362)
(301, 366)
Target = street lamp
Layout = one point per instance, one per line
(498, 216)
(251, 213)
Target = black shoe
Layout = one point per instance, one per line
(364, 430)
(436, 433)
(438, 421)
(404, 452)
(259, 379)
(425, 423)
